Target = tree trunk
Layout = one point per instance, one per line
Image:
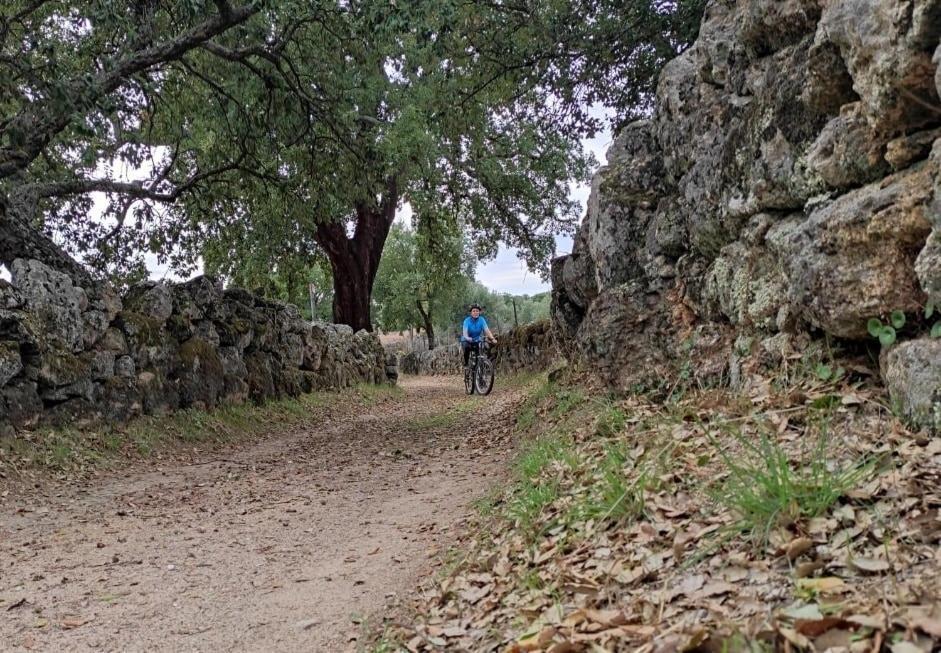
(429, 327)
(19, 239)
(352, 288)
(355, 260)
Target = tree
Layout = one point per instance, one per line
(74, 77)
(290, 128)
(418, 273)
(390, 110)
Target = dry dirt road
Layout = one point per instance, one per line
(283, 545)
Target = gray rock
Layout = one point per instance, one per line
(151, 300)
(887, 47)
(114, 341)
(848, 152)
(199, 374)
(124, 367)
(905, 150)
(912, 372)
(101, 365)
(61, 368)
(747, 286)
(928, 264)
(235, 374)
(21, 404)
(10, 297)
(11, 363)
(853, 259)
(54, 300)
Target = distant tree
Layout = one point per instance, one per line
(419, 271)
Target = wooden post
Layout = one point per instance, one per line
(515, 319)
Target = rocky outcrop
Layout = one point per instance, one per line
(79, 355)
(527, 348)
(786, 186)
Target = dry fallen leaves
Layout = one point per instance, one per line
(675, 576)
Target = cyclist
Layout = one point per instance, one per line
(474, 326)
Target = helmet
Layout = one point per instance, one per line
(473, 306)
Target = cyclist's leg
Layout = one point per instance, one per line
(466, 347)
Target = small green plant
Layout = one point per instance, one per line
(887, 333)
(529, 501)
(936, 327)
(767, 490)
(610, 421)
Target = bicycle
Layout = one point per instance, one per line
(479, 373)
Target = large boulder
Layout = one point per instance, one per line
(887, 46)
(11, 363)
(912, 372)
(54, 300)
(853, 258)
(151, 299)
(200, 374)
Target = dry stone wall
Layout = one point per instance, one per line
(526, 348)
(785, 188)
(75, 355)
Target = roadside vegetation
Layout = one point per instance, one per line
(72, 451)
(799, 519)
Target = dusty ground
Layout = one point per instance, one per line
(285, 545)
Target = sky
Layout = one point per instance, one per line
(507, 273)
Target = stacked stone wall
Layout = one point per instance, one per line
(785, 189)
(71, 355)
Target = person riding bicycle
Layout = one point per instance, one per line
(474, 326)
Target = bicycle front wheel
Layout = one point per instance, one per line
(484, 377)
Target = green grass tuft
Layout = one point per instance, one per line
(766, 490)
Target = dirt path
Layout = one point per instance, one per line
(282, 546)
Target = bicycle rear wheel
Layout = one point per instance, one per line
(483, 380)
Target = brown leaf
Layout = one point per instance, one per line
(867, 621)
(795, 638)
(805, 569)
(834, 639)
(607, 618)
(797, 547)
(73, 622)
(715, 588)
(533, 641)
(817, 627)
(824, 585)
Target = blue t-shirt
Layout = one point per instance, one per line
(474, 327)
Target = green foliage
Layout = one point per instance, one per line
(885, 333)
(285, 116)
(420, 270)
(765, 490)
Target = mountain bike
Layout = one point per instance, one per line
(479, 373)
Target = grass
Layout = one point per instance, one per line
(69, 449)
(766, 489)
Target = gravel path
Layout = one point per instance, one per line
(284, 545)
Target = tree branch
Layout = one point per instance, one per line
(41, 121)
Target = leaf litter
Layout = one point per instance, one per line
(638, 546)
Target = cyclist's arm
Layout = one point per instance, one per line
(465, 337)
(489, 335)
